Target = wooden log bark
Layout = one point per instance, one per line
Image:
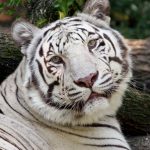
(139, 142)
(141, 63)
(10, 55)
(135, 113)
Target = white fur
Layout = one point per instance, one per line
(79, 64)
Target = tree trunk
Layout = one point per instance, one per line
(141, 64)
(135, 112)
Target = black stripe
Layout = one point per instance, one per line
(73, 94)
(21, 72)
(106, 80)
(71, 89)
(108, 145)
(83, 136)
(103, 125)
(76, 24)
(102, 43)
(74, 20)
(57, 105)
(121, 44)
(116, 59)
(105, 62)
(78, 106)
(46, 32)
(10, 142)
(111, 116)
(104, 75)
(2, 148)
(51, 49)
(83, 29)
(119, 81)
(50, 38)
(11, 106)
(34, 50)
(41, 70)
(13, 137)
(41, 52)
(18, 100)
(106, 37)
(125, 67)
(1, 112)
(80, 37)
(76, 98)
(52, 28)
(47, 98)
(38, 41)
(20, 137)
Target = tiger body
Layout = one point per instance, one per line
(65, 93)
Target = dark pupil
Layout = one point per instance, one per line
(92, 44)
(56, 59)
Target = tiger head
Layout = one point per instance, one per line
(77, 68)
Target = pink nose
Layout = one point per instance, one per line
(87, 81)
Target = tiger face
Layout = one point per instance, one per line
(76, 72)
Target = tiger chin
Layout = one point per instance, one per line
(74, 72)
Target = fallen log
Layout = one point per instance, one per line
(10, 55)
(139, 142)
(135, 112)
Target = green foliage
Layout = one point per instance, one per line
(9, 6)
(51, 10)
(131, 17)
(67, 7)
(63, 6)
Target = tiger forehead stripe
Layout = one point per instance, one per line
(58, 23)
(123, 47)
(106, 37)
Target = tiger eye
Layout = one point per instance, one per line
(92, 44)
(56, 60)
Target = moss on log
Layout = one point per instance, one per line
(10, 55)
(135, 112)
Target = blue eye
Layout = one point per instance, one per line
(56, 60)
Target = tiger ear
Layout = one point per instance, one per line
(23, 32)
(98, 8)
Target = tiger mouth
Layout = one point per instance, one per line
(95, 96)
(78, 106)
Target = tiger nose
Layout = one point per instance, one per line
(87, 81)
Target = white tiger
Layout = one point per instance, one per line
(65, 93)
